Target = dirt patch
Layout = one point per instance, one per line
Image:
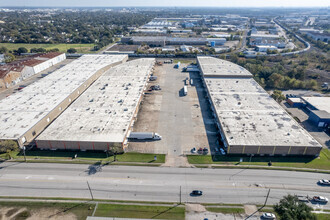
(11, 212)
(195, 208)
(7, 213)
(250, 209)
(54, 214)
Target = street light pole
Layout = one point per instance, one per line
(180, 195)
(24, 153)
(90, 190)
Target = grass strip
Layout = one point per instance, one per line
(133, 211)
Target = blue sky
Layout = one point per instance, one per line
(194, 3)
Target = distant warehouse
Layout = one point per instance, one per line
(100, 119)
(25, 114)
(249, 120)
(17, 71)
(161, 41)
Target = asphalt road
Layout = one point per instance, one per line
(156, 183)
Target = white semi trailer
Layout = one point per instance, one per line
(185, 90)
(145, 135)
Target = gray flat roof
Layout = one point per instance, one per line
(105, 110)
(21, 111)
(216, 67)
(321, 103)
(322, 114)
(249, 116)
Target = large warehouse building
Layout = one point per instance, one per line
(25, 114)
(100, 119)
(249, 120)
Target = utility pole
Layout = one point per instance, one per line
(24, 153)
(90, 190)
(267, 197)
(180, 195)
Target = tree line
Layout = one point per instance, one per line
(98, 27)
(277, 72)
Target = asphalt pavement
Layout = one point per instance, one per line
(244, 186)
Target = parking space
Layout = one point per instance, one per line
(183, 121)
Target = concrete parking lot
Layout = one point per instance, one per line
(183, 121)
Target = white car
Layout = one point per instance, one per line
(320, 199)
(193, 150)
(268, 215)
(324, 182)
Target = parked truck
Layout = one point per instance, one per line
(177, 65)
(145, 136)
(185, 90)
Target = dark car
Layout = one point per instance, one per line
(324, 182)
(196, 193)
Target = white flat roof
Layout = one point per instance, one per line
(249, 116)
(321, 103)
(216, 67)
(21, 111)
(105, 110)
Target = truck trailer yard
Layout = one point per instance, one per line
(184, 122)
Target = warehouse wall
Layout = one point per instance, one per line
(79, 145)
(48, 63)
(275, 150)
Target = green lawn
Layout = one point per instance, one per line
(184, 61)
(137, 211)
(226, 210)
(81, 48)
(323, 216)
(86, 156)
(80, 210)
(323, 162)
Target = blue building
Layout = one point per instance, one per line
(319, 110)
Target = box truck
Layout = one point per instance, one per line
(145, 136)
(185, 90)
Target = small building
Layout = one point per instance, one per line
(168, 49)
(2, 58)
(295, 102)
(319, 110)
(122, 49)
(217, 41)
(320, 118)
(267, 42)
(265, 48)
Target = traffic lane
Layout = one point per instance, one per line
(66, 188)
(237, 176)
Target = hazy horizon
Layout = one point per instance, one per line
(168, 3)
